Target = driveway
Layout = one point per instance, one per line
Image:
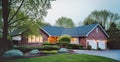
(114, 54)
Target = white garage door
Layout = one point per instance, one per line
(101, 44)
(93, 44)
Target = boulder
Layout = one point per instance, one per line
(62, 50)
(34, 51)
(13, 53)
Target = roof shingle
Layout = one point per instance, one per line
(74, 32)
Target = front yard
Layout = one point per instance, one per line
(66, 58)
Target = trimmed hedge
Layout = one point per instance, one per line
(49, 47)
(64, 38)
(48, 43)
(49, 52)
(25, 48)
(74, 46)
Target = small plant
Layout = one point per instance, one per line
(89, 47)
(99, 48)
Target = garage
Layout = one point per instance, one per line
(93, 43)
(101, 44)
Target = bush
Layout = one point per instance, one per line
(99, 48)
(89, 47)
(64, 39)
(24, 48)
(49, 47)
(62, 44)
(49, 52)
(74, 46)
(48, 43)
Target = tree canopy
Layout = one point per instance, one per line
(65, 22)
(21, 13)
(104, 17)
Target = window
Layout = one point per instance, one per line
(96, 30)
(35, 39)
(74, 39)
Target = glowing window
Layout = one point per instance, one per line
(35, 39)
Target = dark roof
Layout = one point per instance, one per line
(16, 32)
(74, 32)
(79, 31)
(53, 31)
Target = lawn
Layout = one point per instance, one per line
(66, 58)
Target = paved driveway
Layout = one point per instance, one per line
(114, 54)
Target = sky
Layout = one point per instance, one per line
(78, 10)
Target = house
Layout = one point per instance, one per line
(92, 34)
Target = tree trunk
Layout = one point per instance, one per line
(5, 12)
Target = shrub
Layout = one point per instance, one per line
(64, 39)
(99, 48)
(89, 47)
(24, 48)
(48, 43)
(62, 44)
(74, 46)
(49, 47)
(49, 52)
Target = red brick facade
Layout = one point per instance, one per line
(82, 41)
(24, 41)
(44, 35)
(100, 35)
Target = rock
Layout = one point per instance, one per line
(34, 51)
(62, 50)
(13, 53)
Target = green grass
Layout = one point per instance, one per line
(66, 58)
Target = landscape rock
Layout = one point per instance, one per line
(13, 53)
(62, 50)
(34, 51)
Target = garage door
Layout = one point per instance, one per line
(93, 44)
(101, 44)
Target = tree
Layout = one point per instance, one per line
(65, 22)
(88, 21)
(104, 17)
(114, 33)
(29, 7)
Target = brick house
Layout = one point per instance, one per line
(92, 34)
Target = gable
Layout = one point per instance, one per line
(97, 34)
